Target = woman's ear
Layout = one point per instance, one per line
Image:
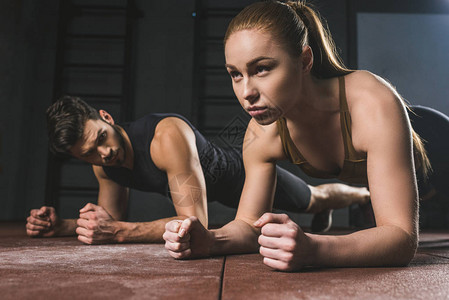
(307, 59)
(106, 117)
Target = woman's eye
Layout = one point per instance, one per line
(262, 69)
(235, 74)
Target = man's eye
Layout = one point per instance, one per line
(102, 136)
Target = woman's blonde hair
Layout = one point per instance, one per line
(295, 24)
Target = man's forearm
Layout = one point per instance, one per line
(142, 232)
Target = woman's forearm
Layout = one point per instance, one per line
(379, 246)
(235, 237)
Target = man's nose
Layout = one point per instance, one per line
(104, 151)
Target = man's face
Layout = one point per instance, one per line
(101, 145)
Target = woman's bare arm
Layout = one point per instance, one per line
(381, 129)
(188, 239)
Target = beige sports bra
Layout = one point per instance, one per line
(354, 166)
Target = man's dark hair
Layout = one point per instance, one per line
(65, 123)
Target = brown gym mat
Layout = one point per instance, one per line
(63, 268)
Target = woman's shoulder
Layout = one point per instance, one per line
(258, 135)
(368, 93)
(366, 85)
(264, 140)
(373, 103)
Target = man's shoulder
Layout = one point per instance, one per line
(155, 119)
(172, 131)
(99, 172)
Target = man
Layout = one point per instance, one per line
(157, 153)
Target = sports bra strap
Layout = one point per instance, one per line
(345, 117)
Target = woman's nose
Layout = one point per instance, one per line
(250, 92)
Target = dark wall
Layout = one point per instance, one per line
(27, 52)
(164, 57)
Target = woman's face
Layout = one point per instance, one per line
(265, 77)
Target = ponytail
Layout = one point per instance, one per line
(326, 61)
(422, 162)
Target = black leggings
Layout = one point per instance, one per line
(433, 127)
(292, 193)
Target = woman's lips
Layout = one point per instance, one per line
(257, 111)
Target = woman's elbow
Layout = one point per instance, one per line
(406, 250)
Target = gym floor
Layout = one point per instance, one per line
(63, 268)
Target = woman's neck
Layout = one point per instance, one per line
(319, 98)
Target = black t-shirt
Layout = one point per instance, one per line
(222, 167)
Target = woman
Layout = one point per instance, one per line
(330, 121)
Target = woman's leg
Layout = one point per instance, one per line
(433, 127)
(294, 194)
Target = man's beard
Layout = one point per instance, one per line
(119, 162)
